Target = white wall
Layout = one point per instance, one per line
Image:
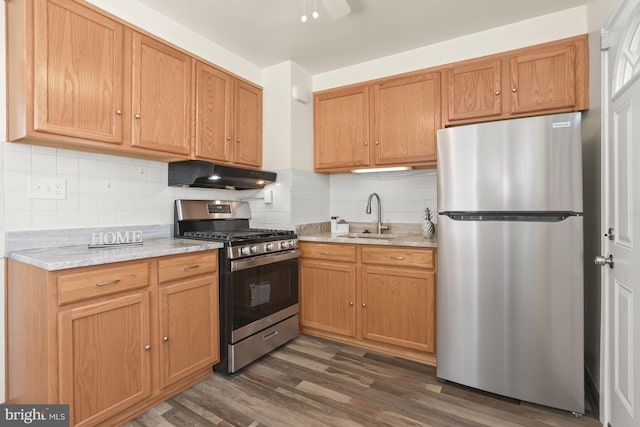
(276, 106)
(567, 23)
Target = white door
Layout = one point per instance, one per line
(621, 213)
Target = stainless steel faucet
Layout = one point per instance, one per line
(380, 226)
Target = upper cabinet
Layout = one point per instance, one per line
(406, 117)
(228, 118)
(78, 74)
(391, 122)
(82, 79)
(544, 79)
(162, 100)
(341, 128)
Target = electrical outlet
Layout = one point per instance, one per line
(47, 188)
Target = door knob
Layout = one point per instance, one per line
(602, 261)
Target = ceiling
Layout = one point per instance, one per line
(268, 32)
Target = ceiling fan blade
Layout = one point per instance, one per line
(337, 8)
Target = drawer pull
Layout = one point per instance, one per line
(191, 267)
(399, 258)
(269, 335)
(328, 253)
(108, 282)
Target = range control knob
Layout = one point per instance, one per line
(254, 249)
(290, 244)
(283, 245)
(270, 246)
(245, 250)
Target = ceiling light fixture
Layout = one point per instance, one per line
(315, 13)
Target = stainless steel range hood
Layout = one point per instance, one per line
(199, 173)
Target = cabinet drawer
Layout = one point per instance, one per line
(406, 257)
(102, 281)
(180, 267)
(328, 251)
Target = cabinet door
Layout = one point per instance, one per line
(161, 97)
(341, 129)
(78, 68)
(543, 80)
(104, 366)
(327, 296)
(189, 327)
(398, 307)
(214, 99)
(474, 90)
(407, 115)
(248, 124)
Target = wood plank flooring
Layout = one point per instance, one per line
(314, 382)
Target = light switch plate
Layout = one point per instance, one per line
(47, 188)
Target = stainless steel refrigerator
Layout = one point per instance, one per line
(510, 257)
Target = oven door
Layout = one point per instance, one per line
(265, 291)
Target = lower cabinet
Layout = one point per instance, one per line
(378, 297)
(111, 340)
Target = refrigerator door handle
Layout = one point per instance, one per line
(511, 216)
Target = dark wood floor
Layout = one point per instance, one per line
(314, 382)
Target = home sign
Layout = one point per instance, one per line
(116, 238)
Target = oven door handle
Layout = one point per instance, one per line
(244, 264)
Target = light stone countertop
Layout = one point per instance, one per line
(60, 258)
(416, 240)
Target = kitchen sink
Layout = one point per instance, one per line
(368, 235)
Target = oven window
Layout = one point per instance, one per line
(261, 291)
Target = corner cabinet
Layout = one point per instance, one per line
(543, 79)
(111, 340)
(391, 122)
(228, 118)
(377, 297)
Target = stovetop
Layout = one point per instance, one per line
(241, 236)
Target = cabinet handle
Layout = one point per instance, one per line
(119, 112)
(364, 305)
(514, 89)
(366, 144)
(137, 116)
(165, 339)
(328, 254)
(377, 142)
(191, 267)
(399, 258)
(238, 140)
(497, 92)
(147, 347)
(350, 302)
(108, 282)
(228, 138)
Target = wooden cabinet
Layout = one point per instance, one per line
(328, 274)
(228, 118)
(105, 357)
(474, 90)
(111, 340)
(341, 129)
(162, 99)
(71, 80)
(542, 79)
(189, 320)
(377, 297)
(80, 78)
(396, 126)
(406, 117)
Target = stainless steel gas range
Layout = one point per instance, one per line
(258, 272)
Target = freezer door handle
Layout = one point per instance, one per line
(510, 216)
